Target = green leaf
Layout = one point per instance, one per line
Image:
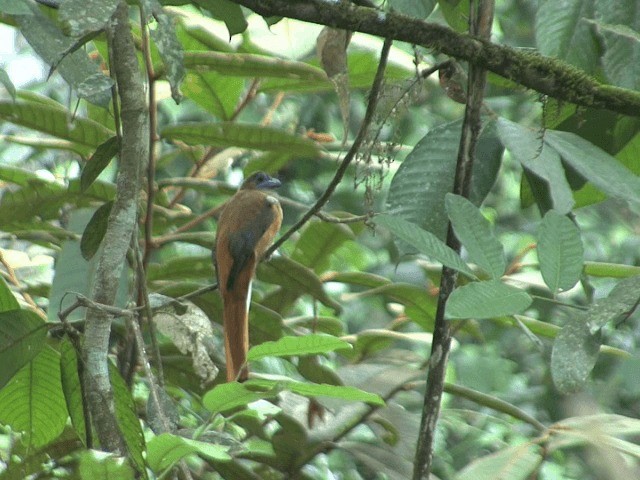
(320, 390)
(215, 93)
(562, 32)
(225, 134)
(81, 16)
(170, 49)
(575, 352)
(425, 242)
(94, 231)
(33, 402)
(165, 450)
(306, 345)
(98, 162)
(55, 121)
(486, 300)
(515, 463)
(415, 8)
(528, 147)
(252, 66)
(418, 188)
(13, 7)
(296, 279)
(560, 252)
(77, 69)
(456, 13)
(22, 336)
(622, 300)
(8, 300)
(612, 270)
(475, 233)
(8, 84)
(318, 241)
(230, 13)
(621, 51)
(95, 465)
(228, 396)
(127, 418)
(597, 166)
(72, 388)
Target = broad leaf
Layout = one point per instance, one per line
(241, 135)
(8, 300)
(425, 242)
(528, 147)
(305, 345)
(514, 463)
(165, 450)
(487, 300)
(574, 354)
(127, 419)
(622, 50)
(320, 390)
(228, 396)
(33, 402)
(475, 233)
(99, 161)
(82, 16)
(95, 465)
(94, 231)
(562, 32)
(72, 388)
(22, 336)
(318, 241)
(597, 166)
(560, 252)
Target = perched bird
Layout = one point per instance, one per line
(246, 228)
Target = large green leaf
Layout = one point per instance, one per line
(318, 241)
(575, 352)
(621, 59)
(321, 390)
(295, 278)
(251, 65)
(528, 147)
(215, 93)
(518, 462)
(244, 135)
(597, 166)
(99, 161)
(304, 345)
(8, 300)
(228, 396)
(95, 465)
(165, 450)
(22, 336)
(487, 300)
(33, 402)
(419, 186)
(230, 13)
(425, 242)
(55, 121)
(561, 31)
(560, 252)
(475, 233)
(76, 68)
(127, 419)
(81, 16)
(72, 388)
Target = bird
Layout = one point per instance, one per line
(246, 228)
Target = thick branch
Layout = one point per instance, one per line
(122, 221)
(546, 75)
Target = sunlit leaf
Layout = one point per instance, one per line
(22, 336)
(304, 345)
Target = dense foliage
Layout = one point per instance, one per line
(543, 375)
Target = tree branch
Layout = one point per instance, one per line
(121, 224)
(481, 18)
(545, 75)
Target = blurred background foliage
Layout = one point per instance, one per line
(262, 102)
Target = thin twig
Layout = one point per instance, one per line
(480, 26)
(351, 154)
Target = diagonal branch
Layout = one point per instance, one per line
(351, 154)
(545, 75)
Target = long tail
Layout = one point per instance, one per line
(236, 326)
